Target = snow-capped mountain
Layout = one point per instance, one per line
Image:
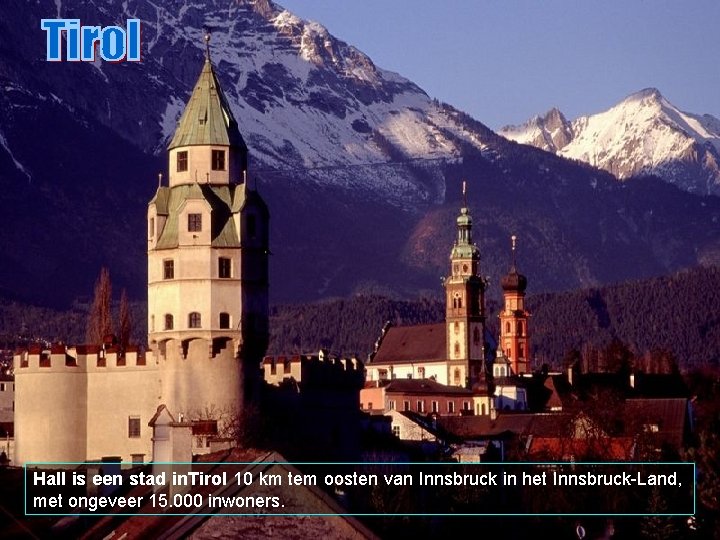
(643, 134)
(361, 169)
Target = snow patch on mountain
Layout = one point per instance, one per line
(643, 134)
(19, 166)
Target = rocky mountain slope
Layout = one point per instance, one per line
(361, 169)
(643, 134)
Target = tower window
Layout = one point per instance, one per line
(218, 160)
(521, 351)
(457, 349)
(169, 321)
(151, 227)
(224, 320)
(520, 328)
(168, 269)
(134, 427)
(507, 327)
(182, 161)
(194, 320)
(224, 267)
(194, 222)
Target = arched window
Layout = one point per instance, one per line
(169, 322)
(194, 320)
(456, 327)
(482, 409)
(456, 377)
(507, 327)
(459, 303)
(457, 349)
(520, 328)
(521, 351)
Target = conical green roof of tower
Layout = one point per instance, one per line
(207, 119)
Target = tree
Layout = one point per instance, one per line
(99, 322)
(126, 321)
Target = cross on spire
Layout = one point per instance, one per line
(207, 45)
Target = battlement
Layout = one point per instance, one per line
(322, 369)
(59, 357)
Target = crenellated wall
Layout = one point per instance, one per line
(75, 403)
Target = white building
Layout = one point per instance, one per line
(207, 241)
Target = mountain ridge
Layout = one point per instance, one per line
(643, 134)
(361, 169)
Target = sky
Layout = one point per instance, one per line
(504, 61)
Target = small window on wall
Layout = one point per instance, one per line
(182, 161)
(169, 321)
(151, 227)
(134, 427)
(194, 320)
(451, 406)
(224, 320)
(406, 405)
(224, 267)
(194, 222)
(168, 269)
(218, 160)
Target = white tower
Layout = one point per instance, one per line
(207, 263)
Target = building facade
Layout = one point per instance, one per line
(207, 238)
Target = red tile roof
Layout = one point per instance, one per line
(424, 387)
(405, 344)
(611, 448)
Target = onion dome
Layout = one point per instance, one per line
(514, 281)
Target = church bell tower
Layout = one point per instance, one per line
(514, 334)
(207, 261)
(465, 306)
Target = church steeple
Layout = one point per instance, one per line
(207, 146)
(514, 334)
(465, 302)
